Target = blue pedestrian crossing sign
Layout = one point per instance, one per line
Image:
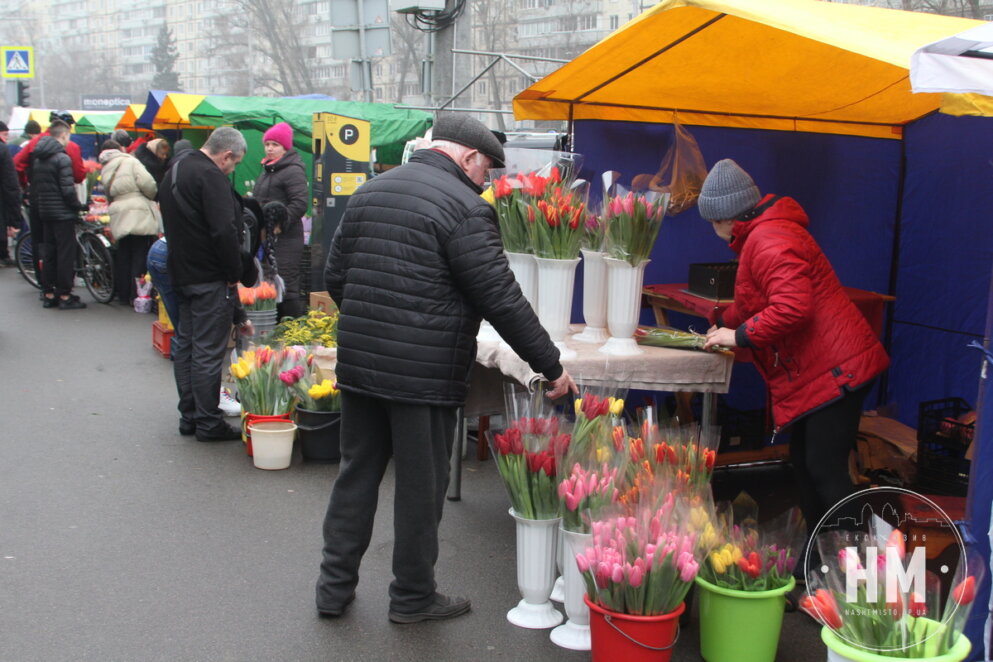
(17, 61)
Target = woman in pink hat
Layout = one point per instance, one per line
(284, 179)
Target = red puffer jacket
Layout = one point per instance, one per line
(808, 339)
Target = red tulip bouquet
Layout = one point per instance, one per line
(597, 411)
(632, 222)
(869, 608)
(690, 451)
(643, 560)
(557, 221)
(525, 455)
(753, 557)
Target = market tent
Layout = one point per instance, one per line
(102, 123)
(174, 113)
(130, 116)
(795, 65)
(958, 63)
(814, 100)
(391, 127)
(152, 104)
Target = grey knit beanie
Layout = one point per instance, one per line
(727, 192)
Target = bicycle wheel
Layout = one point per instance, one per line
(24, 254)
(98, 267)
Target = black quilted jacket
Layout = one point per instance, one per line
(414, 265)
(53, 192)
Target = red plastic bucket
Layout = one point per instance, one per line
(247, 420)
(632, 638)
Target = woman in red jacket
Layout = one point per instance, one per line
(813, 347)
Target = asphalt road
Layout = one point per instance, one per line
(120, 540)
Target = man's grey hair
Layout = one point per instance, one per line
(454, 150)
(226, 139)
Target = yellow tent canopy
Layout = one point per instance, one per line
(132, 113)
(174, 113)
(793, 65)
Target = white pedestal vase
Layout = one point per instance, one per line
(526, 273)
(624, 284)
(536, 545)
(556, 281)
(574, 634)
(558, 589)
(594, 298)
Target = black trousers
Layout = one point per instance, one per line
(420, 440)
(819, 448)
(198, 351)
(129, 263)
(58, 255)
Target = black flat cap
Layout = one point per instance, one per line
(468, 131)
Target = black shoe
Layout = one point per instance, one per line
(187, 429)
(49, 303)
(72, 303)
(335, 612)
(442, 608)
(227, 433)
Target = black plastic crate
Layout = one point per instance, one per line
(942, 442)
(713, 280)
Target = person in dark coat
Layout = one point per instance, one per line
(153, 155)
(284, 179)
(202, 217)
(414, 266)
(10, 205)
(813, 347)
(53, 197)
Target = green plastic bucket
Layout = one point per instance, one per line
(740, 626)
(841, 651)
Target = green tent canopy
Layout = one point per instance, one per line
(391, 127)
(98, 123)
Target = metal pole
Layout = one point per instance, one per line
(366, 64)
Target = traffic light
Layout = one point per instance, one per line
(23, 93)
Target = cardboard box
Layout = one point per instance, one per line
(322, 301)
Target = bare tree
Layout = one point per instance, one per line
(408, 52)
(495, 26)
(71, 73)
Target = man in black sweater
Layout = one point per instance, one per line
(202, 217)
(415, 264)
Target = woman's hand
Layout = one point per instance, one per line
(723, 337)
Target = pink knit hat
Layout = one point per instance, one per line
(281, 133)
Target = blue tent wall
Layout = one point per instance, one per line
(946, 249)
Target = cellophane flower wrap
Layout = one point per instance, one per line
(688, 450)
(591, 468)
(261, 297)
(525, 454)
(912, 624)
(312, 387)
(750, 556)
(642, 560)
(531, 176)
(632, 221)
(559, 220)
(257, 374)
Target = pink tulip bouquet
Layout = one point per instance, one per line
(312, 389)
(644, 561)
(868, 608)
(632, 221)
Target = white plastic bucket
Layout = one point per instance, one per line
(272, 444)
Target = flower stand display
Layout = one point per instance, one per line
(574, 634)
(556, 279)
(840, 651)
(594, 298)
(536, 546)
(624, 282)
(616, 636)
(272, 444)
(740, 626)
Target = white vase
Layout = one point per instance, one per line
(574, 634)
(558, 589)
(624, 284)
(556, 280)
(594, 298)
(526, 273)
(536, 545)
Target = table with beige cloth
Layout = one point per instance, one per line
(657, 369)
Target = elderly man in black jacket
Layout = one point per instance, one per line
(414, 266)
(202, 217)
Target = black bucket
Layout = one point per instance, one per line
(319, 433)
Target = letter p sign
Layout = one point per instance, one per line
(348, 134)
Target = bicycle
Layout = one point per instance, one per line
(94, 262)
